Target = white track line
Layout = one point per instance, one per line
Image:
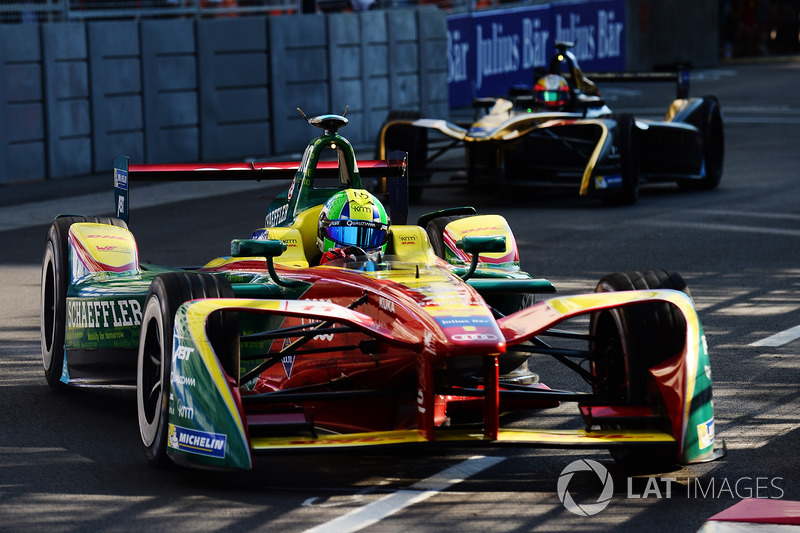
(740, 214)
(722, 227)
(779, 339)
(388, 505)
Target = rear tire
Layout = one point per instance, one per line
(627, 342)
(53, 302)
(154, 366)
(413, 141)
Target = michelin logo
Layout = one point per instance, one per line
(198, 442)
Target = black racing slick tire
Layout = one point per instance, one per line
(713, 147)
(645, 335)
(154, 365)
(628, 341)
(53, 302)
(628, 194)
(435, 230)
(413, 141)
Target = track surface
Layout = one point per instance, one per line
(74, 463)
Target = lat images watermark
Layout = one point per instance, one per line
(585, 465)
(659, 488)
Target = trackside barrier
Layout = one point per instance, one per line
(74, 95)
(489, 52)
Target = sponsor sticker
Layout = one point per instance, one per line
(609, 182)
(288, 360)
(198, 442)
(183, 352)
(121, 179)
(705, 434)
(465, 322)
(385, 304)
(288, 363)
(474, 337)
(84, 314)
(277, 216)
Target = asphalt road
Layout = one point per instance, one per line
(74, 463)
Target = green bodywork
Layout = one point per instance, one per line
(303, 193)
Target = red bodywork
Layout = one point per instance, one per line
(434, 315)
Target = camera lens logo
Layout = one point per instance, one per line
(585, 509)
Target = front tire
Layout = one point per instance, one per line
(435, 230)
(645, 334)
(53, 302)
(627, 342)
(713, 147)
(629, 162)
(154, 365)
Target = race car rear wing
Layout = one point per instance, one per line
(680, 77)
(564, 55)
(392, 169)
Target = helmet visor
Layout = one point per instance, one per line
(551, 96)
(362, 233)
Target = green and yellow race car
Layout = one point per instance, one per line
(339, 324)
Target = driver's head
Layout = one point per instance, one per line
(551, 92)
(353, 217)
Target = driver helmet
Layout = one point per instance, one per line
(353, 217)
(552, 92)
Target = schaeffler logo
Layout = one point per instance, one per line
(585, 509)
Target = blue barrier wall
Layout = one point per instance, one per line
(22, 107)
(115, 86)
(490, 51)
(234, 88)
(75, 95)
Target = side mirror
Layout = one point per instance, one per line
(477, 245)
(257, 248)
(268, 249)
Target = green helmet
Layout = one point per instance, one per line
(353, 217)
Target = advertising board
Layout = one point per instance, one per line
(491, 51)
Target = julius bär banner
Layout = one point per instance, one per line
(490, 52)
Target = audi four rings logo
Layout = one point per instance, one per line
(474, 337)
